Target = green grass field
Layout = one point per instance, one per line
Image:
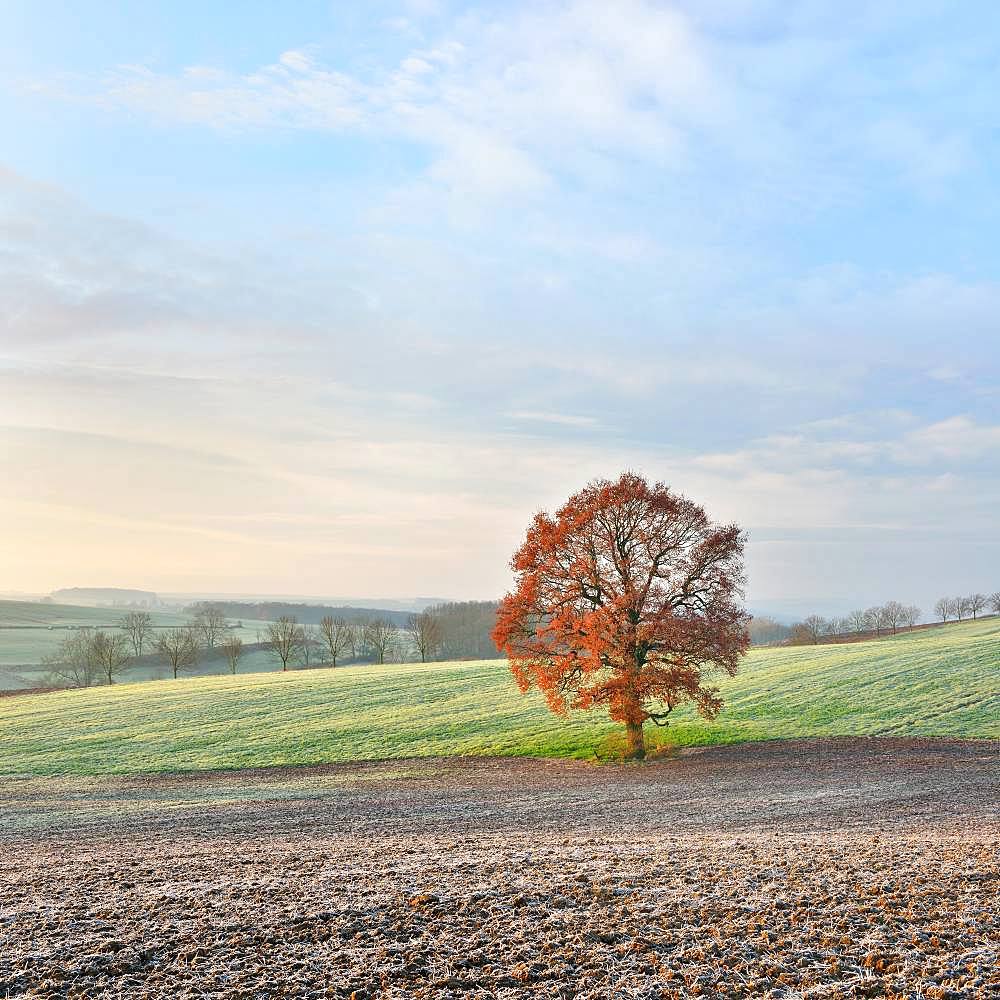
(936, 682)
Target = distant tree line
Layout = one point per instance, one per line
(765, 631)
(451, 631)
(98, 656)
(883, 619)
(466, 630)
(304, 614)
(876, 620)
(959, 608)
(458, 630)
(88, 657)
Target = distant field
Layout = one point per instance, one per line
(26, 637)
(940, 682)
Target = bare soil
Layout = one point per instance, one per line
(835, 868)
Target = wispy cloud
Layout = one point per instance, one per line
(503, 102)
(563, 419)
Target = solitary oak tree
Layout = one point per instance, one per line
(626, 599)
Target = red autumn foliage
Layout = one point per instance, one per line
(627, 599)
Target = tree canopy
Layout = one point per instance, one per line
(626, 599)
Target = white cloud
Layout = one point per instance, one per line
(291, 93)
(946, 373)
(503, 102)
(958, 439)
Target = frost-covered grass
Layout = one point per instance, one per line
(934, 682)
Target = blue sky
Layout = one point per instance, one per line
(329, 298)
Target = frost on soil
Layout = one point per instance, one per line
(844, 868)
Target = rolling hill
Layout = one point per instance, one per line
(31, 630)
(934, 682)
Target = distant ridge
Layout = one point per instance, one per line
(94, 596)
(307, 614)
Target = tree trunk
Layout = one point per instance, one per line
(636, 743)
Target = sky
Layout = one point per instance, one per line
(329, 298)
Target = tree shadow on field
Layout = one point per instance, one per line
(614, 748)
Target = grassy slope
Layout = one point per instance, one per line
(936, 682)
(30, 645)
(39, 613)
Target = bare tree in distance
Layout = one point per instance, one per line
(960, 607)
(338, 637)
(858, 621)
(210, 622)
(995, 602)
(426, 633)
(831, 627)
(808, 631)
(911, 615)
(873, 616)
(356, 639)
(179, 647)
(138, 626)
(74, 663)
(977, 602)
(893, 615)
(380, 635)
(232, 648)
(111, 653)
(284, 639)
(942, 608)
(309, 647)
